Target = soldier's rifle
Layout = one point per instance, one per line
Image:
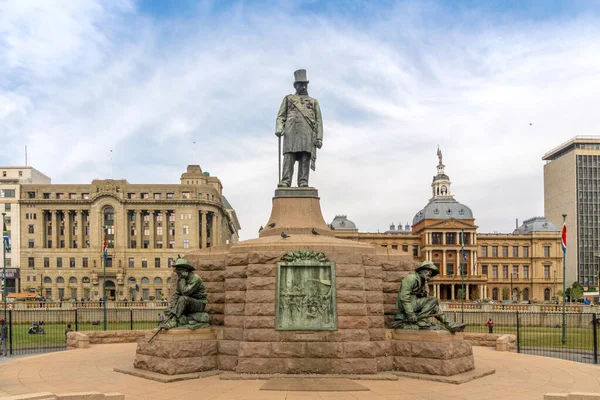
(161, 328)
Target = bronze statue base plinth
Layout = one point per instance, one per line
(180, 351)
(431, 352)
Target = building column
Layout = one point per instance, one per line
(203, 227)
(139, 229)
(68, 229)
(452, 292)
(214, 234)
(165, 226)
(43, 240)
(80, 233)
(443, 270)
(54, 235)
(467, 292)
(152, 229)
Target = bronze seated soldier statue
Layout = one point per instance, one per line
(188, 301)
(414, 306)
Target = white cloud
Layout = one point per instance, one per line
(80, 78)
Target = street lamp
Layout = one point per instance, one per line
(4, 271)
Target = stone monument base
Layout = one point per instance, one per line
(431, 352)
(178, 351)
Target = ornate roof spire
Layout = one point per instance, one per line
(441, 182)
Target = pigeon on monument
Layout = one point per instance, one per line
(260, 229)
(284, 235)
(314, 232)
(272, 225)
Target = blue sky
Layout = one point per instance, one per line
(394, 79)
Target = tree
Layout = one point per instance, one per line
(576, 291)
(474, 295)
(460, 294)
(505, 293)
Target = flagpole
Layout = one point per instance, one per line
(564, 316)
(4, 266)
(104, 252)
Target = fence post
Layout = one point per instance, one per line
(518, 334)
(131, 318)
(76, 319)
(595, 323)
(10, 332)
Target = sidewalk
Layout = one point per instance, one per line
(518, 376)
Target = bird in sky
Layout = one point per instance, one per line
(284, 235)
(314, 232)
(531, 123)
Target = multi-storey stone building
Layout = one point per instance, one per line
(521, 265)
(63, 228)
(572, 187)
(11, 179)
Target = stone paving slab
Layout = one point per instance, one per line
(158, 377)
(458, 379)
(313, 385)
(518, 376)
(250, 377)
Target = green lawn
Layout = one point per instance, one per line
(548, 337)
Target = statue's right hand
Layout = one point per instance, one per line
(279, 134)
(412, 318)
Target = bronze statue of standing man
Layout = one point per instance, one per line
(300, 123)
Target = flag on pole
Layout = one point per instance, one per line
(5, 238)
(564, 237)
(105, 249)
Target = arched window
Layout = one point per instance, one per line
(157, 281)
(526, 294)
(85, 279)
(547, 294)
(60, 279)
(72, 280)
(145, 281)
(109, 224)
(495, 294)
(131, 280)
(47, 280)
(168, 281)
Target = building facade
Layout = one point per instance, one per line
(145, 226)
(518, 266)
(572, 187)
(11, 179)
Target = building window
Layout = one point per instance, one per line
(546, 251)
(58, 262)
(547, 294)
(186, 243)
(495, 271)
(516, 272)
(7, 193)
(49, 244)
(31, 195)
(436, 238)
(85, 262)
(395, 247)
(449, 269)
(72, 262)
(75, 244)
(526, 271)
(171, 244)
(133, 244)
(451, 238)
(505, 251)
(7, 207)
(525, 251)
(170, 196)
(405, 248)
(60, 196)
(170, 262)
(415, 250)
(108, 262)
(494, 251)
(73, 196)
(131, 262)
(62, 244)
(159, 244)
(146, 244)
(145, 196)
(46, 262)
(144, 263)
(30, 243)
(546, 271)
(31, 262)
(484, 252)
(30, 229)
(526, 294)
(146, 231)
(484, 269)
(505, 271)
(495, 294)
(131, 195)
(157, 196)
(20, 173)
(85, 196)
(185, 195)
(157, 262)
(46, 195)
(186, 229)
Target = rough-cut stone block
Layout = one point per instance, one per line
(227, 363)
(382, 348)
(291, 336)
(234, 284)
(261, 283)
(390, 266)
(261, 270)
(390, 287)
(255, 349)
(351, 309)
(345, 257)
(214, 287)
(349, 270)
(215, 297)
(373, 272)
(209, 264)
(261, 365)
(359, 350)
(372, 284)
(217, 319)
(213, 276)
(177, 349)
(378, 333)
(402, 348)
(229, 347)
(215, 308)
(174, 366)
(234, 321)
(235, 272)
(374, 297)
(307, 365)
(253, 322)
(288, 349)
(260, 296)
(234, 308)
(324, 349)
(354, 366)
(353, 322)
(350, 296)
(392, 276)
(426, 336)
(350, 283)
(233, 333)
(235, 296)
(376, 321)
(389, 298)
(371, 260)
(266, 257)
(418, 365)
(457, 365)
(262, 335)
(349, 335)
(260, 309)
(442, 351)
(236, 259)
(385, 363)
(389, 309)
(375, 309)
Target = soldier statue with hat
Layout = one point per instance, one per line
(414, 306)
(300, 123)
(188, 301)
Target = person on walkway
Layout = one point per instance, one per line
(490, 325)
(160, 319)
(68, 330)
(3, 338)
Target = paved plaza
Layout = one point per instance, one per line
(518, 376)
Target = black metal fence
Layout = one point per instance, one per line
(541, 333)
(43, 330)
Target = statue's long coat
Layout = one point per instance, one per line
(298, 135)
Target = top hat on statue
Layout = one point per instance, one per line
(300, 76)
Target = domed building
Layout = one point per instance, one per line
(342, 223)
